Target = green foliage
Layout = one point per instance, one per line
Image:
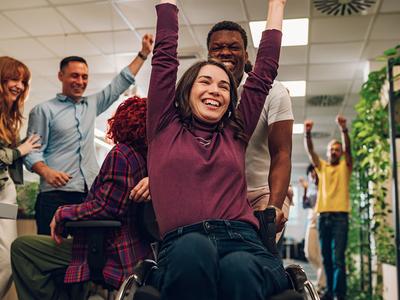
(26, 198)
(371, 171)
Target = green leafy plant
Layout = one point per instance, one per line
(26, 198)
(371, 239)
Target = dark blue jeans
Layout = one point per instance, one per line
(333, 229)
(217, 259)
(47, 204)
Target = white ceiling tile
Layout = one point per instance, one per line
(356, 87)
(385, 27)
(339, 29)
(140, 13)
(98, 81)
(293, 55)
(116, 42)
(17, 4)
(9, 30)
(58, 2)
(376, 48)
(186, 42)
(25, 49)
(42, 84)
(352, 99)
(103, 64)
(199, 12)
(329, 87)
(92, 17)
(44, 67)
(332, 71)
(292, 72)
(69, 45)
(54, 80)
(41, 21)
(257, 9)
(390, 6)
(338, 52)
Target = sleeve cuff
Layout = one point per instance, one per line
(166, 13)
(127, 75)
(16, 154)
(30, 160)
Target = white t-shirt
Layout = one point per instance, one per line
(277, 107)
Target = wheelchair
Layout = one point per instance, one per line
(135, 287)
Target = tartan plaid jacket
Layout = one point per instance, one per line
(108, 198)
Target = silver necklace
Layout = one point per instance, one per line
(204, 142)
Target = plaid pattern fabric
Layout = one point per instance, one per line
(108, 198)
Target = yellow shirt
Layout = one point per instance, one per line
(333, 187)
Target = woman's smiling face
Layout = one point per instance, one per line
(210, 94)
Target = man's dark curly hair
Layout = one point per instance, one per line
(230, 26)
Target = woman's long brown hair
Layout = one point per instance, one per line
(11, 113)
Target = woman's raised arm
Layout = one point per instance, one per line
(276, 10)
(265, 68)
(164, 69)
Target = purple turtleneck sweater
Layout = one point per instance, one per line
(198, 174)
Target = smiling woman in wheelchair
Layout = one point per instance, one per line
(35, 259)
(197, 141)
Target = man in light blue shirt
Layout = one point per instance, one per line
(66, 161)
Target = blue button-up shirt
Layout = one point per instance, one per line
(66, 128)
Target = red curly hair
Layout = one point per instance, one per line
(128, 125)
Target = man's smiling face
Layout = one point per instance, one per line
(227, 46)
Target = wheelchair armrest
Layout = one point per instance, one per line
(147, 222)
(93, 224)
(267, 230)
(95, 235)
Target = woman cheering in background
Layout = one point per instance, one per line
(14, 87)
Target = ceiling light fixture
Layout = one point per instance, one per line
(295, 32)
(296, 88)
(343, 7)
(298, 128)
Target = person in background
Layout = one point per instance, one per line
(35, 258)
(312, 248)
(65, 162)
(14, 89)
(333, 206)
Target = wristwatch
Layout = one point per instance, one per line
(142, 56)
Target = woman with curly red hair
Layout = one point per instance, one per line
(108, 198)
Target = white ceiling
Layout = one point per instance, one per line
(41, 32)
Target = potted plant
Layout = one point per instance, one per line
(26, 198)
(371, 239)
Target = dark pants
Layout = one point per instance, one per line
(333, 229)
(217, 260)
(47, 204)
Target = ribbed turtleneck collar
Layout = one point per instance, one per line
(204, 126)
